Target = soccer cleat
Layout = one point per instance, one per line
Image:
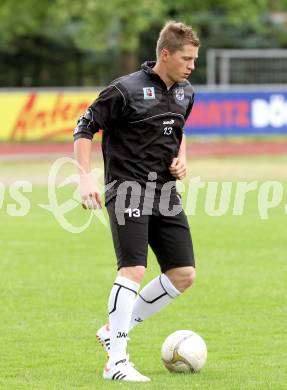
(124, 371)
(103, 336)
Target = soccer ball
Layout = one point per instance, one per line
(184, 351)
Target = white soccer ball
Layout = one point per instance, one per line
(184, 351)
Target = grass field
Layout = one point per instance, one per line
(54, 288)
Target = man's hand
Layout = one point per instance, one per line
(178, 168)
(90, 195)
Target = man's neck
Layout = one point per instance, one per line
(158, 69)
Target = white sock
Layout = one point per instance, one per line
(121, 301)
(153, 297)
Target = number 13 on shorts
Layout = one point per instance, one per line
(133, 212)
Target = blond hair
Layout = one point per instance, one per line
(174, 36)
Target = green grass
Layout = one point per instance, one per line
(54, 287)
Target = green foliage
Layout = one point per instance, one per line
(99, 25)
(114, 34)
(23, 18)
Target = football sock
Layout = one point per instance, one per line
(153, 297)
(121, 301)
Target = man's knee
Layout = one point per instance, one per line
(135, 273)
(190, 277)
(182, 278)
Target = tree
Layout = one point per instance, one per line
(115, 25)
(72, 42)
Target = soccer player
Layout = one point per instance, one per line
(142, 116)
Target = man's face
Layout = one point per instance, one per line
(181, 63)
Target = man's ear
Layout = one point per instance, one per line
(164, 54)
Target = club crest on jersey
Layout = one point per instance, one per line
(149, 93)
(179, 93)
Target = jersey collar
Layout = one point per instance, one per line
(147, 67)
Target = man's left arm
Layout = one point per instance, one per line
(178, 165)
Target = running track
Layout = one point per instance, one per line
(27, 150)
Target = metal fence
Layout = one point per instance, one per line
(245, 67)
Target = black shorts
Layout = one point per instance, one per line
(149, 223)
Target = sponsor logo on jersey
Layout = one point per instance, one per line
(179, 93)
(170, 122)
(148, 93)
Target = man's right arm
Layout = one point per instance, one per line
(90, 195)
(106, 109)
(86, 127)
(82, 150)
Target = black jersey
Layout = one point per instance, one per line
(142, 124)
